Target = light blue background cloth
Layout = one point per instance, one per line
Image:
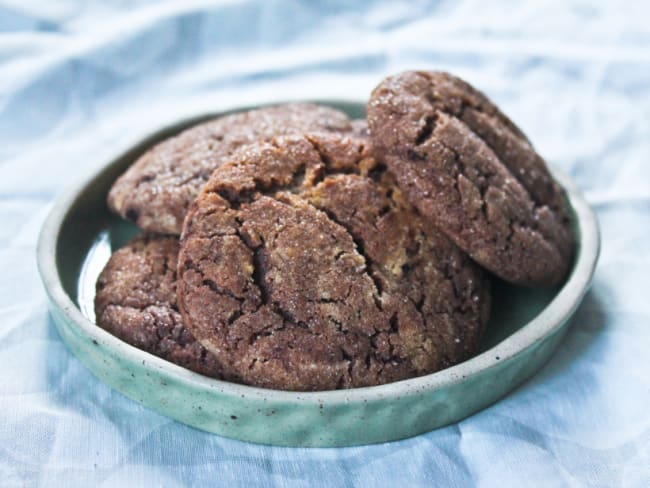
(81, 79)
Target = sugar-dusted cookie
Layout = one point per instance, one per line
(136, 301)
(302, 267)
(473, 174)
(156, 191)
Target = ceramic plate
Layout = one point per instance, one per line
(525, 328)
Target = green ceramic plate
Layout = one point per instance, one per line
(525, 328)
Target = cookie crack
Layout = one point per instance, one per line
(427, 130)
(360, 248)
(377, 172)
(483, 189)
(235, 198)
(220, 290)
(260, 270)
(350, 360)
(260, 334)
(288, 318)
(239, 196)
(213, 285)
(259, 261)
(259, 274)
(325, 160)
(327, 163)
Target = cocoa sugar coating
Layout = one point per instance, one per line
(474, 174)
(136, 301)
(302, 267)
(156, 191)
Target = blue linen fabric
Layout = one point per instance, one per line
(78, 79)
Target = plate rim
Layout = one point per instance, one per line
(549, 320)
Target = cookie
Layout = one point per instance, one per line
(156, 191)
(474, 174)
(136, 301)
(302, 267)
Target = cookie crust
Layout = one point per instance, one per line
(474, 174)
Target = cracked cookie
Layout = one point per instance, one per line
(302, 267)
(156, 191)
(474, 174)
(136, 301)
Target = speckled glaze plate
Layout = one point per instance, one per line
(526, 326)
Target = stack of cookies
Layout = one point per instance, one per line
(293, 248)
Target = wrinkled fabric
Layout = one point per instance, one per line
(80, 80)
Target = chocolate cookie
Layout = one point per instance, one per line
(136, 301)
(302, 267)
(473, 173)
(156, 191)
